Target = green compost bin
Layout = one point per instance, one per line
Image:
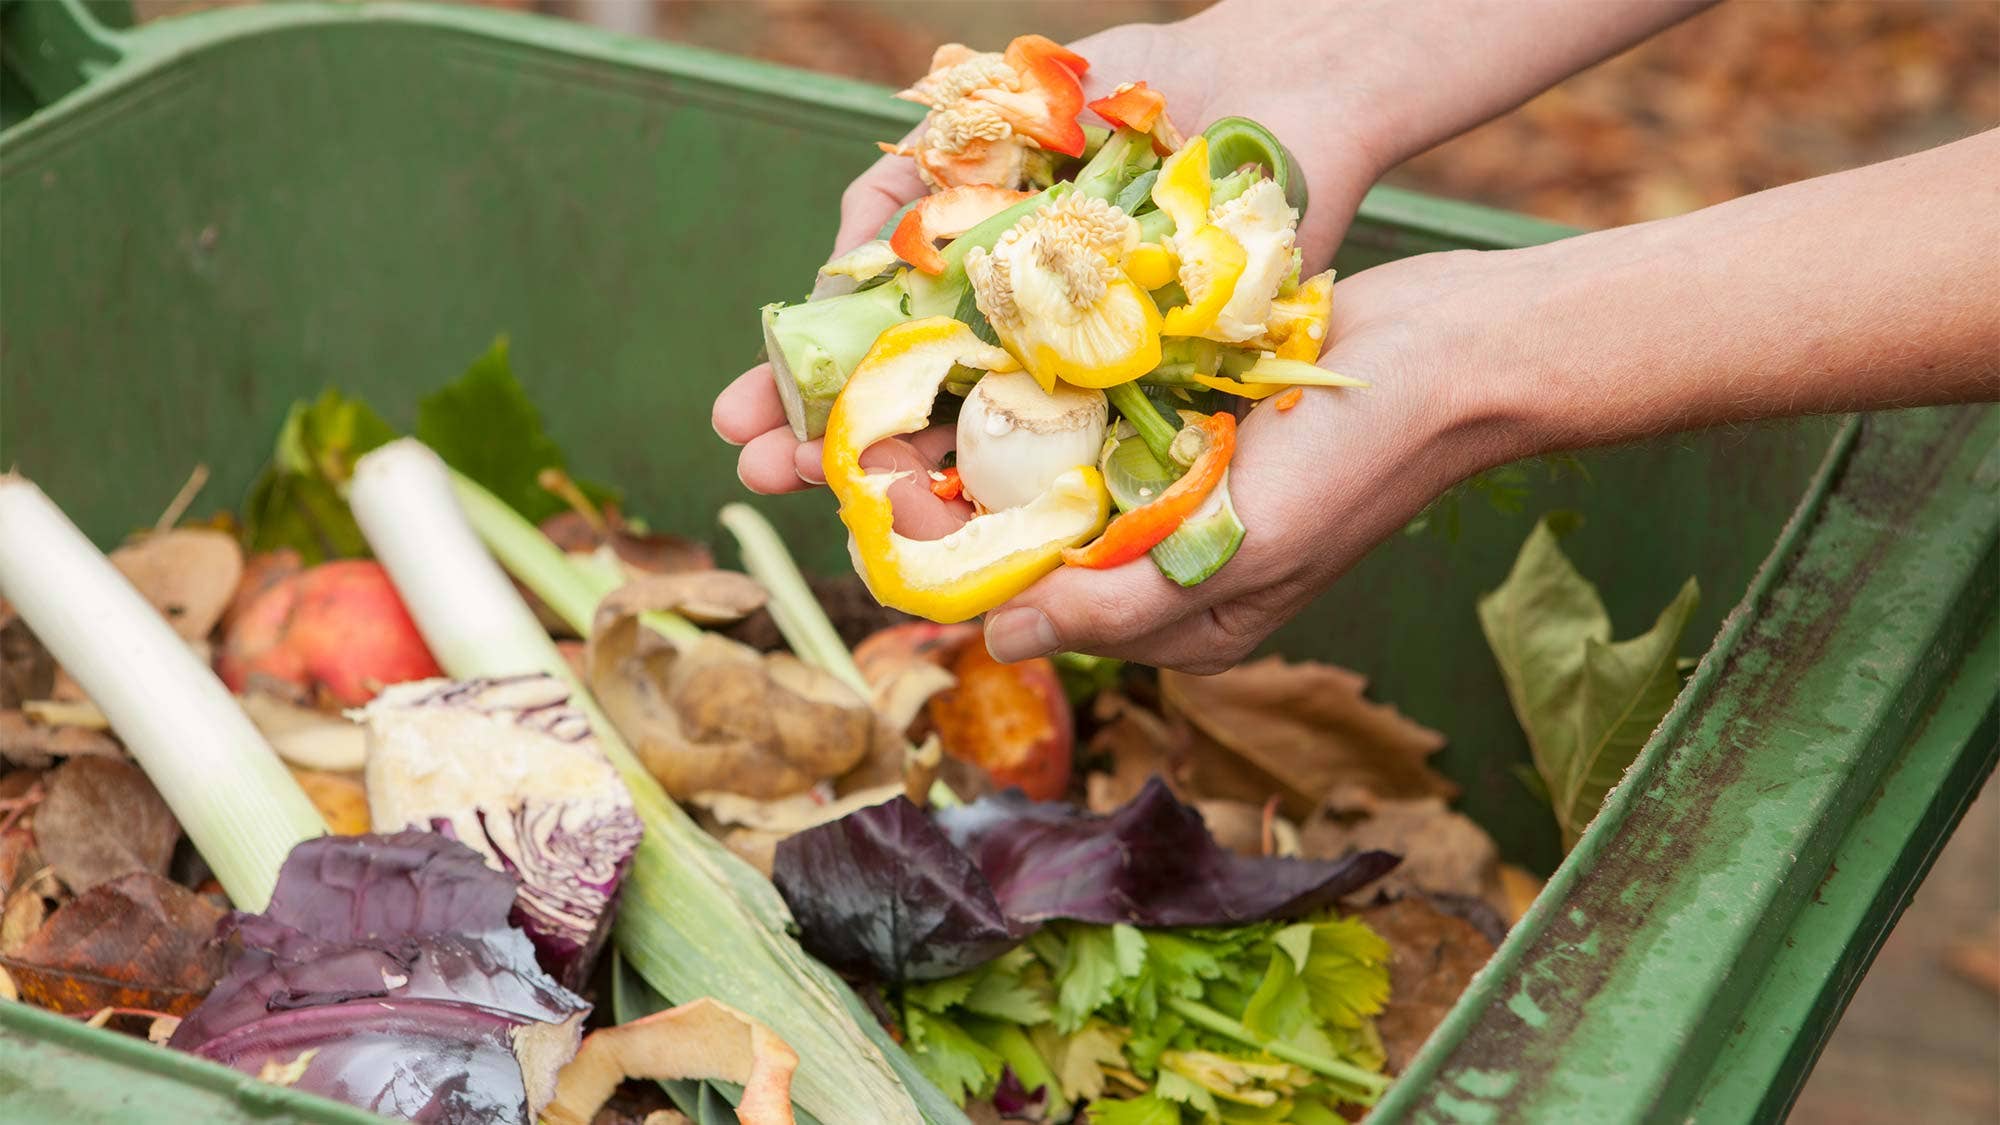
(206, 218)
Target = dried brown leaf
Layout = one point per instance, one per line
(1306, 727)
(32, 745)
(139, 941)
(188, 574)
(102, 819)
(642, 554)
(21, 918)
(19, 858)
(27, 671)
(753, 829)
(1433, 957)
(1140, 745)
(1443, 851)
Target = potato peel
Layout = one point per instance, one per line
(703, 1040)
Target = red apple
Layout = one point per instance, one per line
(338, 628)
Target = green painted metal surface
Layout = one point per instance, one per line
(1652, 975)
(247, 205)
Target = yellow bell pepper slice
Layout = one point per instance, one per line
(1182, 189)
(990, 559)
(1150, 265)
(1210, 262)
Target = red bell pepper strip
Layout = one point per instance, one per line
(1133, 106)
(1131, 535)
(1045, 109)
(945, 484)
(947, 214)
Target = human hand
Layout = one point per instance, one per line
(1317, 485)
(1203, 66)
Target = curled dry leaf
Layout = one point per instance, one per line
(1300, 729)
(702, 1041)
(641, 552)
(1139, 745)
(710, 714)
(305, 737)
(341, 799)
(1433, 957)
(139, 941)
(27, 671)
(32, 745)
(189, 574)
(101, 820)
(1443, 851)
(752, 828)
(26, 909)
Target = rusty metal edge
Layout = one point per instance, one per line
(1489, 1061)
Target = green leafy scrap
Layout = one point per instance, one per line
(950, 1056)
(1588, 704)
(484, 425)
(294, 502)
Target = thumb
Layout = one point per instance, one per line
(1078, 610)
(874, 196)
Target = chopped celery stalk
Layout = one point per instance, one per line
(801, 620)
(1122, 159)
(241, 808)
(1094, 137)
(1199, 547)
(1182, 358)
(1234, 184)
(1154, 428)
(694, 918)
(814, 346)
(1234, 142)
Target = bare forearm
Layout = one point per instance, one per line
(1872, 289)
(1410, 74)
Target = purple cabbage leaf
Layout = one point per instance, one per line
(509, 767)
(890, 894)
(385, 973)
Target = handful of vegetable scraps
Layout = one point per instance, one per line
(1083, 295)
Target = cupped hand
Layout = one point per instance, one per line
(1318, 485)
(1211, 65)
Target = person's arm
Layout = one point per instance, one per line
(1866, 290)
(1352, 87)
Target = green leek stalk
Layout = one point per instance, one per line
(1136, 472)
(227, 787)
(694, 919)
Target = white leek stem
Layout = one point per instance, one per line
(693, 919)
(224, 783)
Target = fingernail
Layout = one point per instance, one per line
(1020, 634)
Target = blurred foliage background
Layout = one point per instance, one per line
(1746, 96)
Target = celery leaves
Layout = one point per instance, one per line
(1209, 1021)
(1587, 703)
